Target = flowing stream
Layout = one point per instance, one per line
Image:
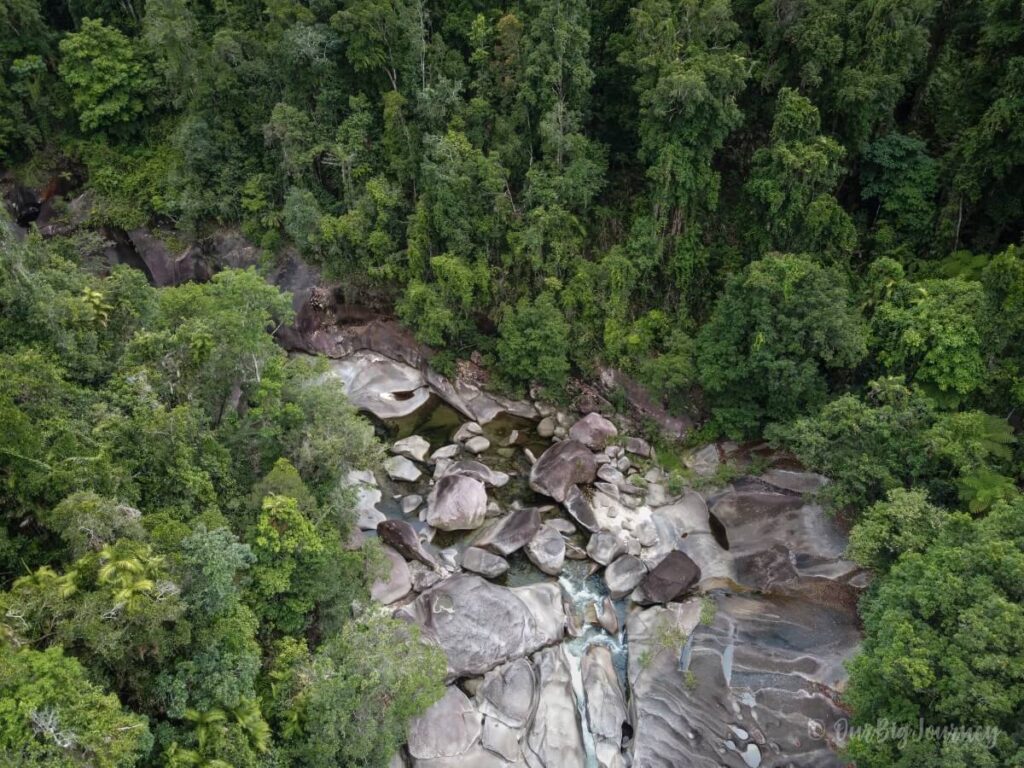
(584, 591)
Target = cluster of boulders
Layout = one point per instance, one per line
(598, 480)
(517, 696)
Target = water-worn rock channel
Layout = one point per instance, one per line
(590, 616)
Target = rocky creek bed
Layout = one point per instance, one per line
(591, 617)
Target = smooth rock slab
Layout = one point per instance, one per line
(606, 705)
(546, 550)
(480, 625)
(448, 728)
(555, 739)
(483, 562)
(758, 673)
(508, 693)
(500, 739)
(562, 466)
(378, 384)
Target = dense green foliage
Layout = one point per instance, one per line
(173, 533)
(801, 219)
(612, 166)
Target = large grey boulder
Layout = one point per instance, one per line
(447, 729)
(403, 537)
(483, 562)
(562, 466)
(555, 738)
(546, 550)
(606, 705)
(398, 581)
(604, 547)
(480, 625)
(594, 431)
(763, 540)
(669, 580)
(457, 503)
(623, 576)
(580, 509)
(512, 532)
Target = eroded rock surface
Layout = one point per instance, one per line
(447, 729)
(763, 667)
(480, 625)
(606, 705)
(384, 387)
(554, 738)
